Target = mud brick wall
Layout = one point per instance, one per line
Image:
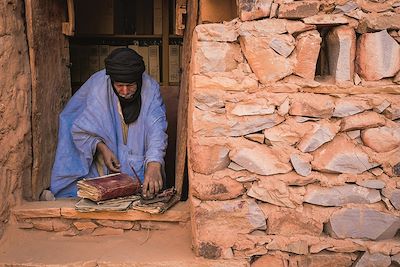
(15, 107)
(294, 134)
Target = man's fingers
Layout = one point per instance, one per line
(144, 188)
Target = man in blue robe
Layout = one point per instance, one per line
(115, 122)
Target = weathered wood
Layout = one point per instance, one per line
(165, 42)
(49, 57)
(191, 23)
(68, 28)
(180, 12)
(66, 209)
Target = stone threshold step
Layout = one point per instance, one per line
(64, 208)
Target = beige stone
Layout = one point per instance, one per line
(84, 225)
(219, 186)
(251, 10)
(312, 105)
(322, 259)
(326, 20)
(301, 163)
(375, 22)
(375, 259)
(282, 47)
(289, 222)
(229, 82)
(349, 106)
(295, 246)
(216, 224)
(341, 195)
(283, 109)
(125, 225)
(21, 213)
(374, 184)
(257, 106)
(382, 106)
(61, 225)
(295, 27)
(382, 139)
(378, 56)
(260, 159)
(298, 9)
(216, 57)
(307, 50)
(216, 32)
(393, 195)
(341, 155)
(257, 137)
(269, 260)
(288, 132)
(207, 159)
(263, 28)
(275, 192)
(322, 132)
(43, 224)
(208, 124)
(363, 223)
(256, 50)
(342, 52)
(368, 119)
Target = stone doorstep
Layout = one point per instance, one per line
(65, 209)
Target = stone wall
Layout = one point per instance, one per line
(294, 156)
(15, 107)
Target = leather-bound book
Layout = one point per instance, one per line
(108, 187)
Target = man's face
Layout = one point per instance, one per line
(125, 90)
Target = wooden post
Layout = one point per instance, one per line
(68, 28)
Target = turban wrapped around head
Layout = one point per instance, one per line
(124, 65)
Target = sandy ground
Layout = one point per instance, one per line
(39, 247)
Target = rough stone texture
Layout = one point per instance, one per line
(216, 57)
(289, 222)
(15, 108)
(377, 22)
(281, 46)
(216, 224)
(319, 135)
(326, 20)
(325, 259)
(82, 225)
(258, 106)
(259, 138)
(219, 186)
(125, 225)
(299, 9)
(263, 28)
(349, 106)
(269, 260)
(260, 159)
(363, 223)
(256, 50)
(301, 163)
(276, 192)
(254, 9)
(209, 158)
(216, 32)
(363, 120)
(342, 52)
(373, 260)
(382, 139)
(288, 132)
(341, 195)
(393, 195)
(378, 56)
(373, 184)
(307, 49)
(211, 124)
(312, 105)
(341, 155)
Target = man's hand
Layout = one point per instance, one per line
(109, 158)
(152, 180)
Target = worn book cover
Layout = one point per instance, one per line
(108, 187)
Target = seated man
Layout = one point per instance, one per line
(114, 123)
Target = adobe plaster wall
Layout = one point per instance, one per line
(15, 103)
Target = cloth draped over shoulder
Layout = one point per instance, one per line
(92, 116)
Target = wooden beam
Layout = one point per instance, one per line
(68, 28)
(181, 147)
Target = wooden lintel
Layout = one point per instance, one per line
(68, 28)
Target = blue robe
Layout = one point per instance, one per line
(92, 116)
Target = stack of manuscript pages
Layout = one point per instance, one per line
(108, 187)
